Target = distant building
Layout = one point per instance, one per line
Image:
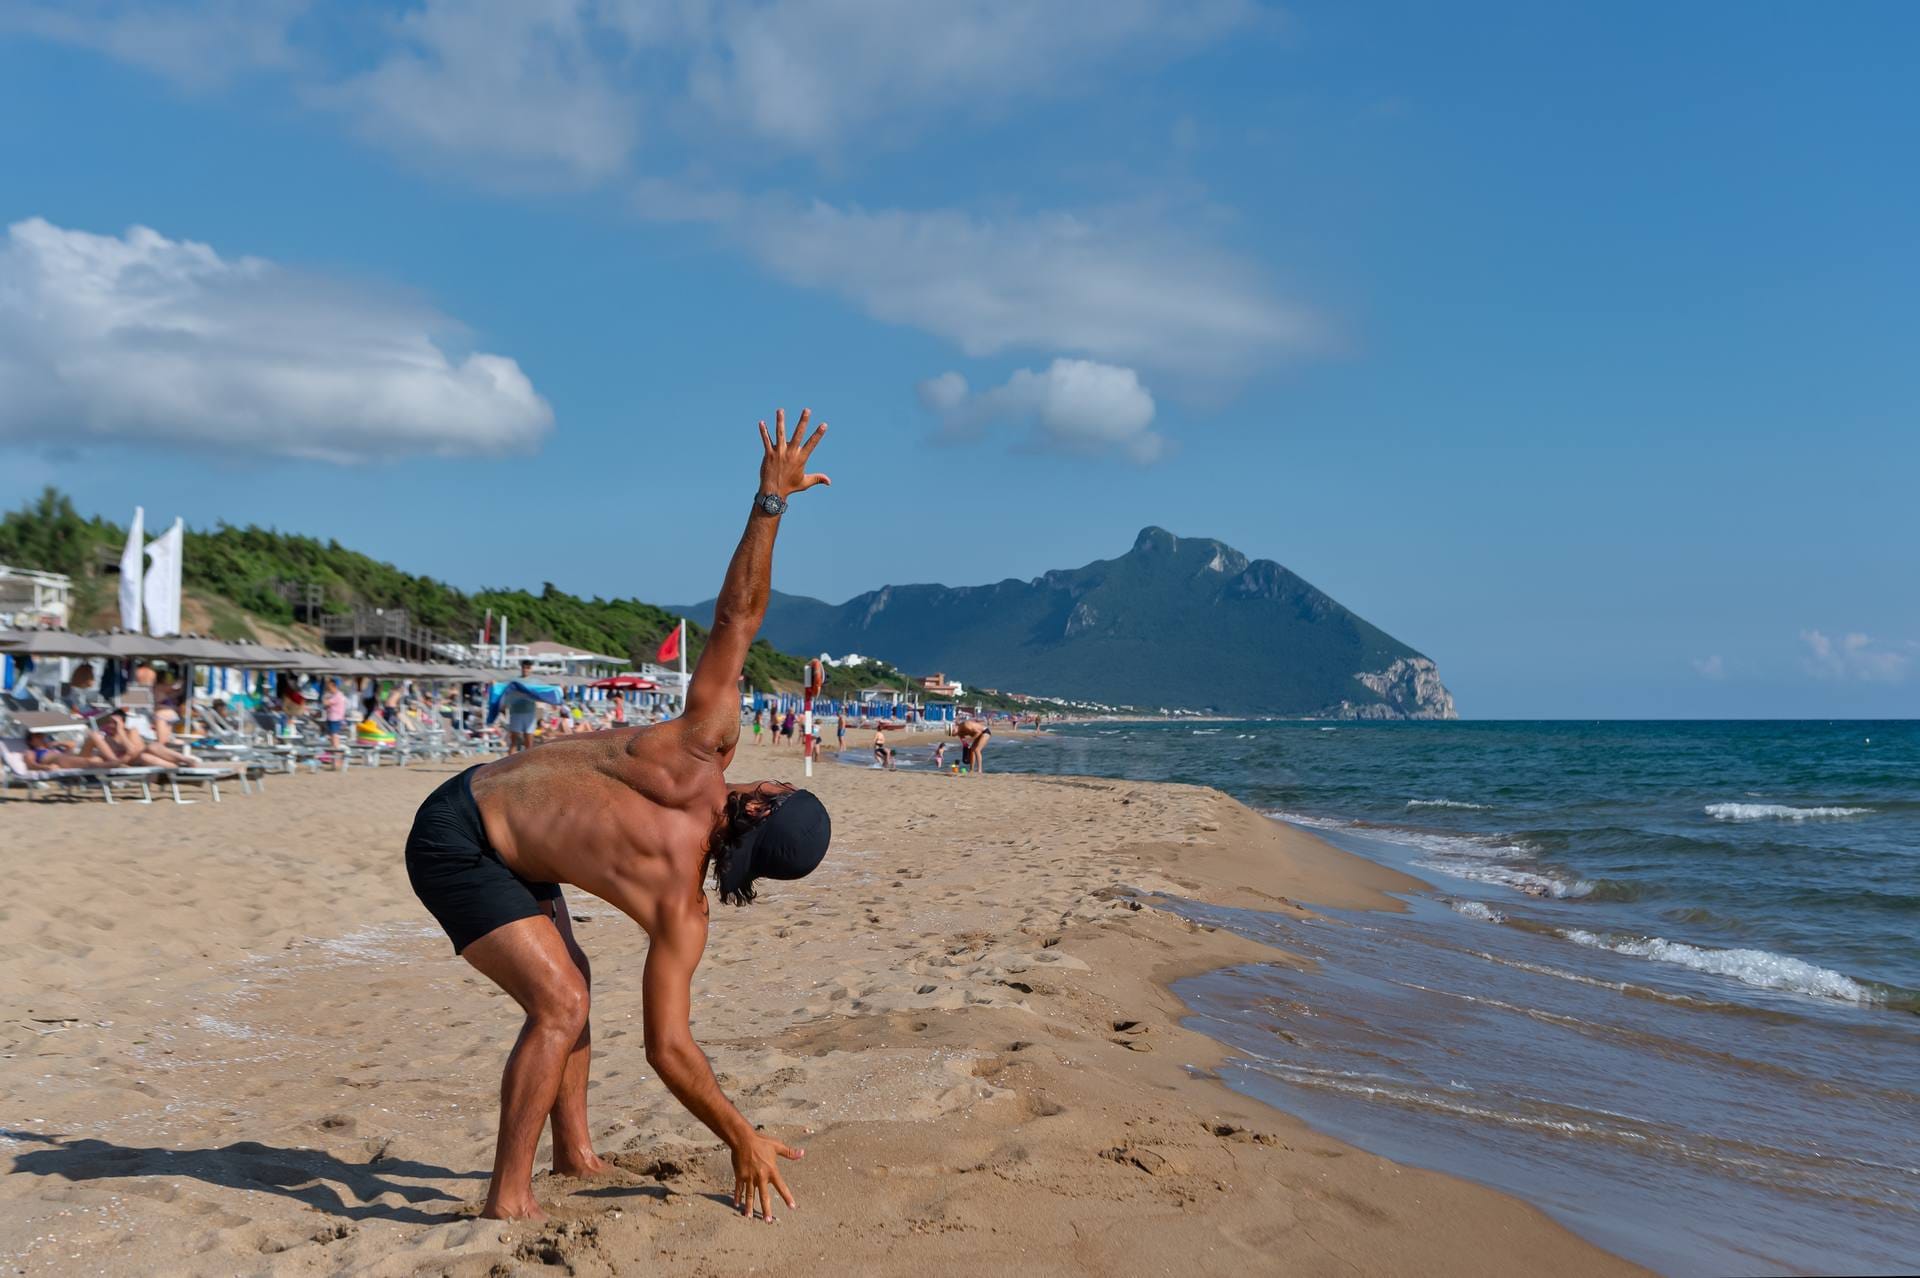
(937, 685)
(30, 598)
(548, 658)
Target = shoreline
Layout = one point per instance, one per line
(985, 1047)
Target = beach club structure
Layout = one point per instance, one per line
(244, 711)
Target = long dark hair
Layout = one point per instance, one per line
(743, 810)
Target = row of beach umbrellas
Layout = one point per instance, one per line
(200, 651)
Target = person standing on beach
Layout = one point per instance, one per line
(840, 733)
(333, 711)
(786, 728)
(756, 727)
(522, 712)
(638, 817)
(973, 736)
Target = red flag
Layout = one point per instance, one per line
(670, 646)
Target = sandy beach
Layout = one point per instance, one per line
(234, 1043)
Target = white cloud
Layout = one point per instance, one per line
(1107, 287)
(582, 92)
(143, 339)
(1073, 406)
(1857, 656)
(1710, 667)
(524, 84)
(567, 83)
(195, 43)
(815, 73)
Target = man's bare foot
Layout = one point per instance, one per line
(513, 1209)
(581, 1166)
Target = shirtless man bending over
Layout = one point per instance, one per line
(637, 817)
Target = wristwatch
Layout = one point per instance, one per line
(770, 504)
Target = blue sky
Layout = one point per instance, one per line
(1571, 344)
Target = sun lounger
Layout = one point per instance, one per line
(48, 722)
(208, 777)
(14, 770)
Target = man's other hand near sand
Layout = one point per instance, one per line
(637, 817)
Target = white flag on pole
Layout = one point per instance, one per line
(163, 582)
(132, 559)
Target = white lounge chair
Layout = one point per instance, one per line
(71, 781)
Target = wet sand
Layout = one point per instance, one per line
(232, 1042)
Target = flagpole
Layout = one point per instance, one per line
(682, 654)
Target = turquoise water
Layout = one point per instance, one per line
(1663, 984)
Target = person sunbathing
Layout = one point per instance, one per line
(131, 750)
(45, 754)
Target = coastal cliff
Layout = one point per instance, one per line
(1410, 688)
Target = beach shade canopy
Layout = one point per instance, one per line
(293, 660)
(626, 683)
(259, 656)
(51, 643)
(203, 651)
(128, 644)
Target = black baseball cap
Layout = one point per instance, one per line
(789, 844)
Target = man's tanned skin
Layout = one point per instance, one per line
(629, 815)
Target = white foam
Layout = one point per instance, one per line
(1447, 803)
(1525, 882)
(1476, 910)
(1760, 968)
(1476, 858)
(1779, 812)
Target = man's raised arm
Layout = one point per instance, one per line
(713, 700)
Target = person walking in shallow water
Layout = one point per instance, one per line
(638, 817)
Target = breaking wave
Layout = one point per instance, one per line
(1779, 812)
(1762, 969)
(1476, 910)
(1475, 858)
(1446, 803)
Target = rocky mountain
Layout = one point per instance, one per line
(1178, 622)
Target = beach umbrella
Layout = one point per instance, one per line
(626, 682)
(130, 645)
(51, 643)
(291, 659)
(201, 650)
(260, 656)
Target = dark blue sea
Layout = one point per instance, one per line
(1664, 981)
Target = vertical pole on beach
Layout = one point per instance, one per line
(816, 679)
(682, 654)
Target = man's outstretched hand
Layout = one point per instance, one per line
(756, 1177)
(783, 471)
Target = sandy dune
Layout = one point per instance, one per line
(234, 1043)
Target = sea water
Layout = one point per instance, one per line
(1664, 982)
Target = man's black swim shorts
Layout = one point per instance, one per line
(456, 873)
